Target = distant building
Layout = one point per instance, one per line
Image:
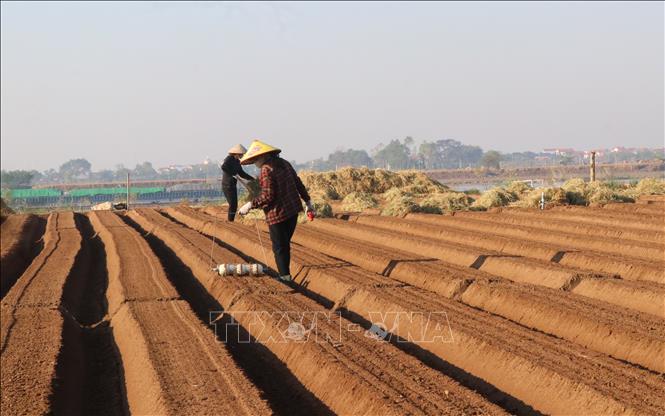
(560, 151)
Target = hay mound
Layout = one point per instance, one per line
(358, 201)
(398, 202)
(579, 192)
(576, 192)
(602, 193)
(394, 193)
(497, 197)
(339, 184)
(445, 202)
(647, 186)
(518, 189)
(553, 196)
(400, 206)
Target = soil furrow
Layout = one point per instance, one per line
(21, 242)
(89, 374)
(552, 375)
(542, 220)
(608, 218)
(371, 384)
(656, 211)
(283, 392)
(633, 269)
(552, 311)
(32, 326)
(638, 250)
(171, 363)
(380, 248)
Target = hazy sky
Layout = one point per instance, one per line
(176, 82)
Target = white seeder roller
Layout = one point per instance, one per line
(240, 269)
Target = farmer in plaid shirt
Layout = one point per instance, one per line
(281, 191)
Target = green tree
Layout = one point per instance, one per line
(429, 154)
(16, 178)
(144, 171)
(121, 172)
(394, 156)
(449, 154)
(350, 157)
(75, 169)
(491, 160)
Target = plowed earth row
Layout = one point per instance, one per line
(119, 314)
(430, 227)
(348, 372)
(549, 374)
(21, 242)
(654, 209)
(544, 221)
(379, 236)
(566, 315)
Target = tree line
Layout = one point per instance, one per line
(394, 155)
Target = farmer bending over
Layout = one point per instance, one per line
(281, 191)
(230, 170)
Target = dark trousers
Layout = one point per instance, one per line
(281, 234)
(231, 195)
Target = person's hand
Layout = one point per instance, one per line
(309, 207)
(245, 208)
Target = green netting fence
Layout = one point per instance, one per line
(87, 192)
(34, 193)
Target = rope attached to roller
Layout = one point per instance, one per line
(240, 269)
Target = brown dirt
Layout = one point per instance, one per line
(21, 242)
(546, 308)
(32, 324)
(653, 210)
(608, 217)
(172, 364)
(542, 220)
(123, 314)
(648, 199)
(641, 296)
(350, 377)
(551, 375)
(627, 268)
(639, 250)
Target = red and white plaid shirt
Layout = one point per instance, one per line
(281, 190)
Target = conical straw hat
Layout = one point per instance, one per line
(237, 150)
(257, 148)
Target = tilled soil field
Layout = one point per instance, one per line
(517, 312)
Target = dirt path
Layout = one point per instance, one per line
(351, 373)
(552, 375)
(21, 242)
(172, 364)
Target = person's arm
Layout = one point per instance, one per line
(267, 183)
(302, 191)
(244, 174)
